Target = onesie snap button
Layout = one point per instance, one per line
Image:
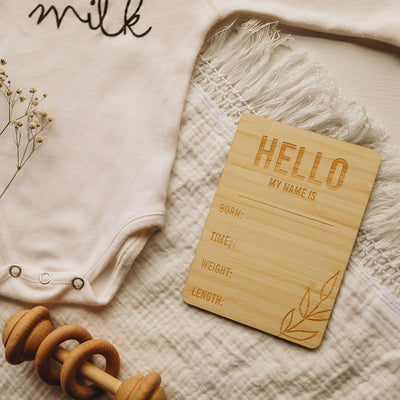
(78, 283)
(15, 271)
(45, 278)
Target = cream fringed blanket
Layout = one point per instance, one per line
(247, 68)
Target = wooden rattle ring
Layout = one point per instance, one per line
(18, 335)
(77, 357)
(141, 388)
(49, 346)
(24, 333)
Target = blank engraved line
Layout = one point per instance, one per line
(283, 209)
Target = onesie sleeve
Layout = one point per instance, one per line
(378, 20)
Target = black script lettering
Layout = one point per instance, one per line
(130, 18)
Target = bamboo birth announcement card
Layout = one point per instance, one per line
(281, 229)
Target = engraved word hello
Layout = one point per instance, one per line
(297, 162)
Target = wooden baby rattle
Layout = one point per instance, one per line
(29, 335)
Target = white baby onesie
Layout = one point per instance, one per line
(116, 71)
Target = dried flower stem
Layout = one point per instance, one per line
(9, 183)
(33, 121)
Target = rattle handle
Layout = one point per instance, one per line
(91, 372)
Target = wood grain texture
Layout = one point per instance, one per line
(141, 388)
(281, 228)
(29, 334)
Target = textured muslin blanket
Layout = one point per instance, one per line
(248, 67)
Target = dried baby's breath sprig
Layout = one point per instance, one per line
(29, 123)
(27, 144)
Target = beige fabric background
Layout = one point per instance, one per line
(249, 68)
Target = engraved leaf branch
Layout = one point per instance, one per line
(292, 329)
(25, 118)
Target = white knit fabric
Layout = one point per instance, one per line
(202, 356)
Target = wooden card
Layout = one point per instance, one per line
(281, 228)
